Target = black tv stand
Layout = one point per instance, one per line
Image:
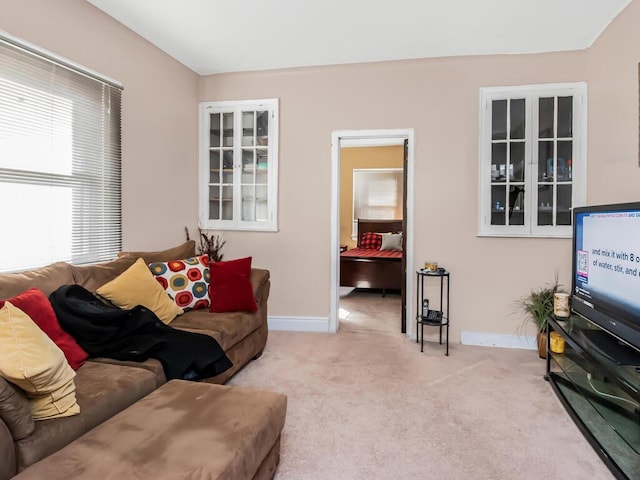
(610, 347)
(628, 410)
(597, 379)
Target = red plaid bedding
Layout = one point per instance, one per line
(371, 253)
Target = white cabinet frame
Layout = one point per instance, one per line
(531, 94)
(237, 108)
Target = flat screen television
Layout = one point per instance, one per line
(606, 273)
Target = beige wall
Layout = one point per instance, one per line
(438, 98)
(159, 115)
(351, 158)
(612, 72)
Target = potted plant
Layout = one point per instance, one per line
(537, 306)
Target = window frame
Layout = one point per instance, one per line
(237, 107)
(531, 94)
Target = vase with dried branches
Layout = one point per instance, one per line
(210, 243)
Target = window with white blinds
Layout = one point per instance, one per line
(60, 186)
(377, 194)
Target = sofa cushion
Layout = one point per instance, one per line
(182, 430)
(137, 286)
(227, 328)
(186, 280)
(151, 364)
(185, 250)
(37, 307)
(15, 410)
(102, 390)
(30, 360)
(94, 276)
(230, 288)
(46, 279)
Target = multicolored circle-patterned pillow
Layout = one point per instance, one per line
(186, 281)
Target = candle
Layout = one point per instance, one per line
(561, 305)
(431, 266)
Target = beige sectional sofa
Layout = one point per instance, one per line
(223, 432)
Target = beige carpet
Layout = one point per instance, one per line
(366, 404)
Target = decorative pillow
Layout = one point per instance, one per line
(231, 289)
(137, 286)
(30, 360)
(34, 303)
(371, 240)
(185, 250)
(185, 281)
(391, 241)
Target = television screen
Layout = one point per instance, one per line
(606, 267)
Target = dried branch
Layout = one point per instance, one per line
(211, 244)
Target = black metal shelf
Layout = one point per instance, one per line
(440, 317)
(600, 396)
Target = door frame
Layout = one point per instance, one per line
(370, 137)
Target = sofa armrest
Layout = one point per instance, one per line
(16, 423)
(260, 283)
(7, 453)
(15, 411)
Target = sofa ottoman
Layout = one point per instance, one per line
(181, 430)
(103, 390)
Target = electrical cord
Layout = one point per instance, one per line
(615, 397)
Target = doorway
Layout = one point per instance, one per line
(344, 138)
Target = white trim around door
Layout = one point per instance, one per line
(340, 138)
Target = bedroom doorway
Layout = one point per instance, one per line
(398, 139)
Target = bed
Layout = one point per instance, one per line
(363, 267)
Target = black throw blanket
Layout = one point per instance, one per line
(105, 330)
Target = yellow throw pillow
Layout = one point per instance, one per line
(137, 286)
(30, 360)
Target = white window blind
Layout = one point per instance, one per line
(377, 194)
(60, 186)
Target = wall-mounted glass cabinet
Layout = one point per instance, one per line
(532, 159)
(238, 165)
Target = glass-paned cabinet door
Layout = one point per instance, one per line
(507, 161)
(239, 165)
(221, 171)
(255, 165)
(555, 160)
(531, 159)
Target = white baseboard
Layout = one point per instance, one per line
(299, 324)
(321, 325)
(498, 340)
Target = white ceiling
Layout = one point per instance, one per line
(215, 36)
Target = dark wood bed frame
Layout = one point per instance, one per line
(384, 273)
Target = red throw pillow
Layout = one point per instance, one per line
(36, 305)
(371, 240)
(230, 289)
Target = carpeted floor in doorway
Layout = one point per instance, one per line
(366, 404)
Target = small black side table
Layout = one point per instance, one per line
(433, 318)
